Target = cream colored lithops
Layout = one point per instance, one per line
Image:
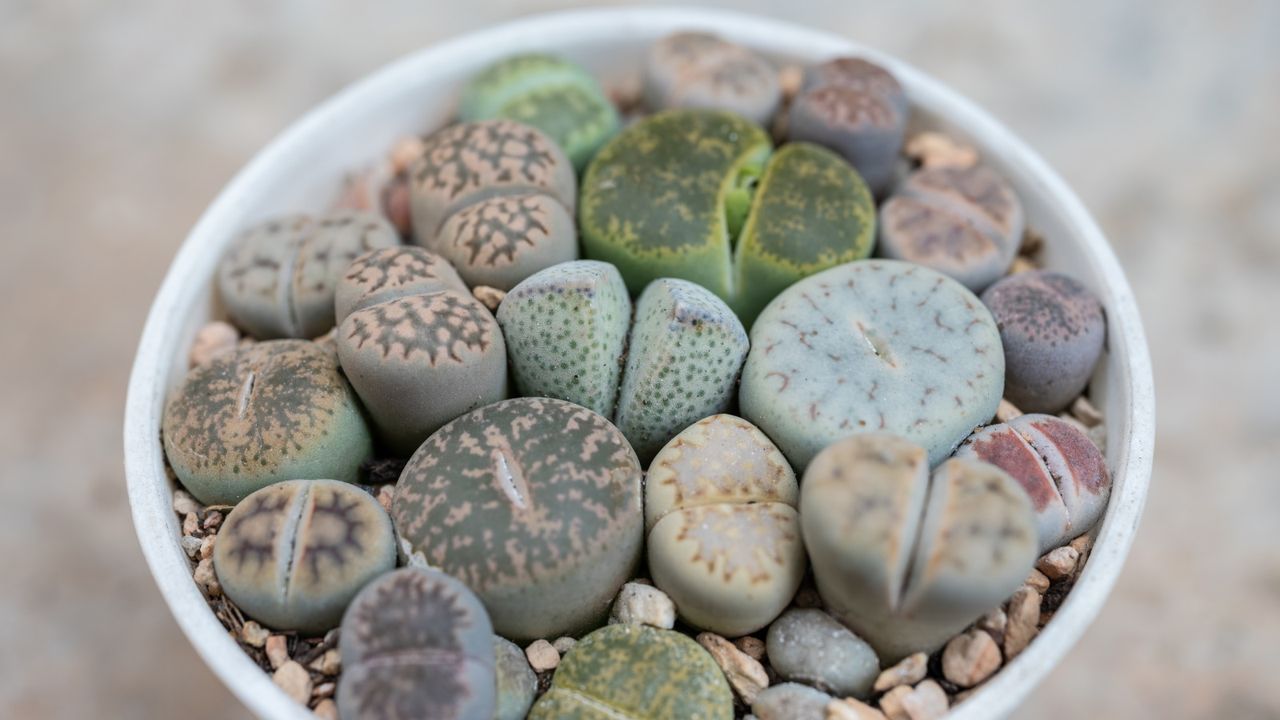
(724, 536)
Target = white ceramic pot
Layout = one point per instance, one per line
(302, 168)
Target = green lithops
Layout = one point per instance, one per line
(292, 555)
(550, 93)
(416, 643)
(278, 279)
(570, 326)
(724, 536)
(693, 194)
(904, 559)
(636, 672)
(874, 345)
(535, 504)
(255, 415)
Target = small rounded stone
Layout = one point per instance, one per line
(970, 658)
(811, 647)
(547, 526)
(270, 411)
(417, 643)
(390, 274)
(643, 604)
(791, 701)
(1052, 329)
(517, 683)
(502, 240)
(210, 340)
(293, 554)
(700, 70)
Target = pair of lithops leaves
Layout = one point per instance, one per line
(571, 335)
(700, 70)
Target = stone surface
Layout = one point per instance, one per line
(277, 648)
(970, 658)
(1024, 616)
(700, 70)
(542, 656)
(809, 646)
(745, 674)
(294, 680)
(753, 646)
(1059, 562)
(908, 671)
(643, 604)
(516, 681)
(852, 709)
(210, 340)
(926, 702)
(791, 701)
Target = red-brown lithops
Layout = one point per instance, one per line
(293, 554)
(533, 503)
(416, 643)
(1062, 471)
(700, 70)
(724, 536)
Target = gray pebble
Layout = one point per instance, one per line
(811, 646)
(790, 701)
(517, 682)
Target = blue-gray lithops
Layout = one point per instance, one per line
(258, 414)
(904, 559)
(278, 279)
(416, 643)
(700, 70)
(875, 345)
(517, 683)
(1052, 329)
(392, 273)
(964, 222)
(808, 645)
(293, 554)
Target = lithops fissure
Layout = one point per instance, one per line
(1062, 471)
(904, 559)
(550, 93)
(724, 537)
(569, 328)
(964, 222)
(416, 643)
(639, 673)
(1052, 329)
(546, 526)
(255, 415)
(278, 279)
(700, 70)
(293, 554)
(874, 345)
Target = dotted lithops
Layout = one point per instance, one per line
(278, 278)
(1052, 329)
(639, 672)
(293, 554)
(1060, 468)
(271, 411)
(964, 222)
(875, 345)
(905, 560)
(700, 70)
(535, 504)
(416, 643)
(724, 537)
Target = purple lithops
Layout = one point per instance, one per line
(1052, 328)
(1062, 471)
(965, 222)
(700, 70)
(416, 643)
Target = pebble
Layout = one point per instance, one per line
(191, 545)
(210, 340)
(564, 644)
(206, 546)
(1059, 563)
(212, 521)
(184, 504)
(852, 709)
(1082, 544)
(1024, 616)
(516, 682)
(207, 579)
(791, 701)
(970, 658)
(326, 710)
(1037, 581)
(277, 650)
(1085, 412)
(1006, 411)
(751, 645)
(995, 622)
(891, 704)
(934, 149)
(385, 494)
(324, 690)
(254, 634)
(811, 646)
(294, 680)
(643, 604)
(745, 674)
(490, 297)
(909, 671)
(927, 702)
(190, 524)
(404, 152)
(329, 663)
(1022, 264)
(542, 656)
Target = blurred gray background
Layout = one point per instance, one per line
(120, 121)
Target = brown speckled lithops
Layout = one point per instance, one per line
(724, 536)
(416, 643)
(533, 503)
(699, 70)
(502, 240)
(271, 411)
(382, 275)
(906, 560)
(292, 555)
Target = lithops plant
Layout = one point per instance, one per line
(278, 278)
(1052, 329)
(700, 70)
(535, 504)
(550, 93)
(418, 349)
(262, 413)
(965, 222)
(416, 643)
(724, 536)
(858, 109)
(1062, 471)
(640, 672)
(875, 345)
(569, 327)
(496, 198)
(904, 559)
(292, 555)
